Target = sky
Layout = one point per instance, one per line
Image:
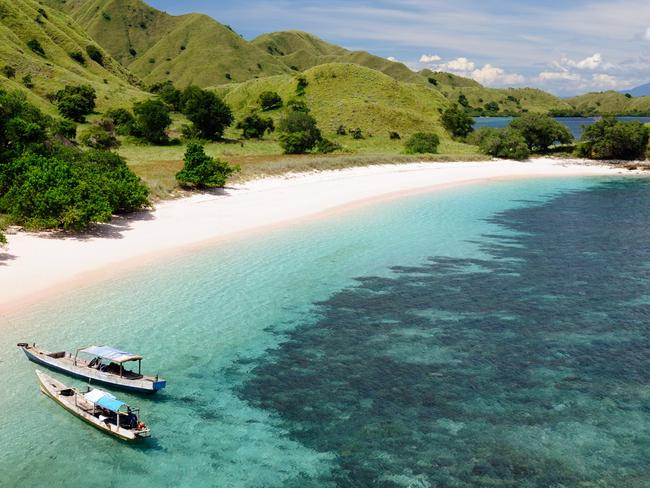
(566, 47)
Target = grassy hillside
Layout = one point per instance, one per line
(156, 46)
(509, 100)
(301, 51)
(610, 102)
(352, 96)
(22, 21)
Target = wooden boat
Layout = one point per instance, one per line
(106, 367)
(98, 408)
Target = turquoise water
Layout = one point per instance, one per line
(574, 124)
(484, 335)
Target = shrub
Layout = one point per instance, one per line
(297, 106)
(492, 107)
(151, 121)
(254, 126)
(100, 136)
(9, 71)
(610, 138)
(23, 127)
(27, 81)
(208, 112)
(341, 131)
(325, 146)
(169, 94)
(66, 129)
(48, 191)
(541, 131)
(457, 121)
(95, 54)
(270, 100)
(433, 81)
(422, 142)
(394, 136)
(301, 85)
(505, 143)
(463, 101)
(122, 119)
(298, 132)
(357, 134)
(75, 102)
(78, 57)
(36, 47)
(202, 171)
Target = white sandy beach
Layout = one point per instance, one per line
(33, 266)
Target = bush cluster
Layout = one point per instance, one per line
(202, 171)
(610, 138)
(422, 143)
(76, 101)
(46, 184)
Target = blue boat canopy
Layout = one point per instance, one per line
(114, 355)
(106, 400)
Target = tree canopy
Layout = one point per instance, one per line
(254, 127)
(299, 132)
(202, 171)
(422, 143)
(151, 121)
(76, 101)
(457, 121)
(610, 138)
(541, 131)
(209, 114)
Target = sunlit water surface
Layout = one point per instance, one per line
(492, 335)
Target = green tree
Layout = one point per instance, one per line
(122, 119)
(610, 138)
(463, 101)
(168, 93)
(505, 143)
(301, 85)
(270, 100)
(254, 127)
(202, 171)
(100, 136)
(207, 111)
(299, 132)
(151, 121)
(457, 121)
(541, 131)
(23, 127)
(76, 101)
(422, 142)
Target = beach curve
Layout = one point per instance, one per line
(34, 266)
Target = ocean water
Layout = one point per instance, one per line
(492, 335)
(574, 124)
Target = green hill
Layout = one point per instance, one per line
(509, 100)
(352, 96)
(25, 21)
(301, 50)
(156, 46)
(610, 103)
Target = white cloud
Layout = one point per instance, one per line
(647, 34)
(590, 63)
(491, 75)
(429, 58)
(558, 76)
(391, 58)
(607, 81)
(459, 64)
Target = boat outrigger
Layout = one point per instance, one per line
(98, 408)
(105, 367)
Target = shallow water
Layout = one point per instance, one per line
(489, 335)
(574, 124)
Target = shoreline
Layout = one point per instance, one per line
(38, 266)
